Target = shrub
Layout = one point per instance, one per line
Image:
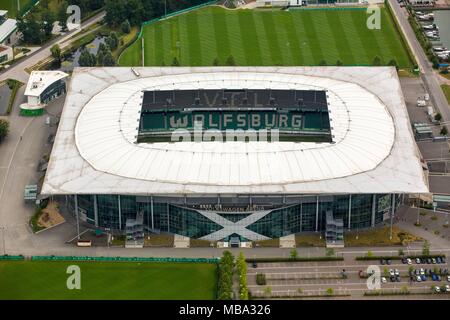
(260, 279)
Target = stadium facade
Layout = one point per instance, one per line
(348, 151)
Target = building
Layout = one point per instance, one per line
(360, 165)
(6, 53)
(8, 29)
(42, 87)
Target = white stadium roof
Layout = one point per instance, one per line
(373, 150)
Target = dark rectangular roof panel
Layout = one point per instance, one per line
(234, 98)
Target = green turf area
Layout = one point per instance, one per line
(108, 280)
(262, 37)
(11, 6)
(446, 89)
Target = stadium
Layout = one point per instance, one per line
(344, 149)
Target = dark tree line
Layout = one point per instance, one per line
(137, 11)
(36, 27)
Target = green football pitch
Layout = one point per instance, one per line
(265, 37)
(11, 6)
(108, 280)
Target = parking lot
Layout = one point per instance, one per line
(345, 279)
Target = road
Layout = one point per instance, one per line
(17, 71)
(427, 73)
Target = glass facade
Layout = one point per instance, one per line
(284, 216)
(52, 91)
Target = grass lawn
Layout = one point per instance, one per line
(263, 37)
(11, 6)
(378, 237)
(446, 89)
(108, 280)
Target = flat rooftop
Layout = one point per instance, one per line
(96, 149)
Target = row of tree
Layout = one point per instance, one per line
(4, 129)
(137, 11)
(241, 267)
(36, 27)
(225, 282)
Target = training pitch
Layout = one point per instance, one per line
(266, 37)
(108, 280)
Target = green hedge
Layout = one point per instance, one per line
(15, 87)
(298, 259)
(126, 259)
(365, 258)
(8, 257)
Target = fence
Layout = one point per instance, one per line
(123, 259)
(11, 258)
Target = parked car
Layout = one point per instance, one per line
(447, 288)
(443, 259)
(422, 271)
(438, 260)
(404, 261)
(392, 278)
(418, 279)
(438, 277)
(437, 289)
(397, 278)
(434, 277)
(388, 261)
(391, 272)
(448, 278)
(423, 277)
(429, 261)
(408, 261)
(383, 280)
(382, 261)
(254, 265)
(418, 261)
(433, 260)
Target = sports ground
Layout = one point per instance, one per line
(108, 280)
(266, 37)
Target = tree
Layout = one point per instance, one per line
(230, 61)
(426, 248)
(293, 253)
(100, 57)
(86, 59)
(30, 29)
(339, 63)
(108, 60)
(56, 52)
(112, 40)
(216, 62)
(4, 129)
(444, 131)
(393, 63)
(62, 16)
(125, 26)
(322, 63)
(175, 62)
(330, 291)
(376, 61)
(401, 252)
(438, 117)
(48, 19)
(369, 254)
(268, 290)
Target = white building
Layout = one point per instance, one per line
(8, 29)
(42, 87)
